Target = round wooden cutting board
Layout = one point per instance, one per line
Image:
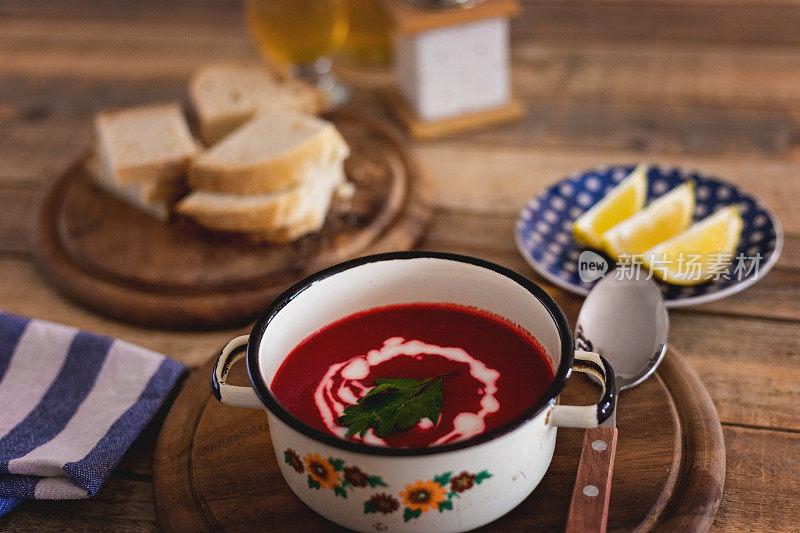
(119, 261)
(215, 468)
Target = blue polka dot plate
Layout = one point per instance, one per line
(544, 231)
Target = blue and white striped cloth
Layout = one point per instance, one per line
(71, 403)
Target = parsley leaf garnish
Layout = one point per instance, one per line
(395, 405)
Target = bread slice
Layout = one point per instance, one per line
(273, 151)
(312, 222)
(303, 206)
(156, 198)
(226, 95)
(147, 143)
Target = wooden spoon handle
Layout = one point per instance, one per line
(588, 510)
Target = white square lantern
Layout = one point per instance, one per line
(452, 66)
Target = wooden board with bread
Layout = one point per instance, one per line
(199, 219)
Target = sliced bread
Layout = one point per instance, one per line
(312, 222)
(306, 203)
(156, 198)
(144, 144)
(225, 95)
(273, 151)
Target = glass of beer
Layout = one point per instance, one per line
(369, 42)
(301, 34)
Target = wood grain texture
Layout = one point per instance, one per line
(588, 508)
(749, 366)
(703, 83)
(194, 492)
(121, 505)
(769, 22)
(678, 75)
(762, 474)
(89, 245)
(509, 176)
(739, 22)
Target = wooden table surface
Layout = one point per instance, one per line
(699, 83)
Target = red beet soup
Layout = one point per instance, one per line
(488, 371)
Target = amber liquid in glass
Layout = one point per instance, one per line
(369, 41)
(298, 32)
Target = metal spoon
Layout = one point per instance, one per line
(624, 319)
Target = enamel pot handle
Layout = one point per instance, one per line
(231, 394)
(589, 416)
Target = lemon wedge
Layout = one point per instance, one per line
(621, 202)
(694, 256)
(662, 219)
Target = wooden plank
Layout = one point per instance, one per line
(790, 258)
(36, 143)
(646, 128)
(660, 74)
(120, 49)
(777, 295)
(473, 176)
(737, 22)
(772, 22)
(121, 505)
(217, 11)
(105, 64)
(66, 104)
(599, 84)
(16, 206)
(160, 30)
(761, 488)
(748, 365)
(22, 291)
(708, 75)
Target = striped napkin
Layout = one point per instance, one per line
(71, 403)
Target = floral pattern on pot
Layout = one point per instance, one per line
(381, 503)
(417, 498)
(423, 495)
(292, 459)
(330, 473)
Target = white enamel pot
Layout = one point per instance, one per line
(455, 487)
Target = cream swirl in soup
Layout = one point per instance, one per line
(494, 370)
